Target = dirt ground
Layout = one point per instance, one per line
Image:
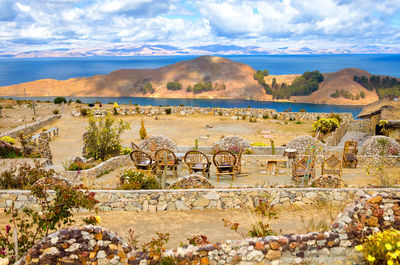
(185, 224)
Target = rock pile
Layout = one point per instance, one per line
(192, 181)
(154, 143)
(327, 182)
(50, 182)
(44, 147)
(304, 143)
(380, 145)
(233, 143)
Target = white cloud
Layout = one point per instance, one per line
(265, 23)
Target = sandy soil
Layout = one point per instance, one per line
(184, 224)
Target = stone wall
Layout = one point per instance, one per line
(364, 126)
(88, 244)
(198, 199)
(101, 169)
(233, 112)
(32, 127)
(337, 135)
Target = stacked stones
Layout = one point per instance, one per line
(233, 112)
(192, 181)
(52, 181)
(44, 147)
(79, 245)
(84, 141)
(233, 143)
(154, 143)
(327, 181)
(304, 143)
(380, 145)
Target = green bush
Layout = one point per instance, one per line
(84, 112)
(168, 111)
(303, 85)
(75, 166)
(136, 180)
(126, 151)
(8, 150)
(103, 139)
(174, 86)
(56, 111)
(147, 88)
(23, 176)
(78, 101)
(326, 125)
(265, 116)
(60, 100)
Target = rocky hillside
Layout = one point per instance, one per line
(227, 79)
(203, 77)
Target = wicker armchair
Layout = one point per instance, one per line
(226, 164)
(304, 166)
(142, 161)
(332, 165)
(134, 146)
(197, 162)
(350, 154)
(164, 155)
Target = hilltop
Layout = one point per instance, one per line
(202, 77)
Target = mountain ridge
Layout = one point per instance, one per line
(202, 77)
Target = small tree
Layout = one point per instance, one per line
(60, 100)
(103, 139)
(142, 131)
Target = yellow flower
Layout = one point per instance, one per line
(398, 244)
(388, 246)
(116, 105)
(98, 219)
(370, 258)
(390, 262)
(359, 247)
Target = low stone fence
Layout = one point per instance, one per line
(198, 199)
(365, 126)
(101, 169)
(233, 112)
(99, 246)
(32, 127)
(337, 135)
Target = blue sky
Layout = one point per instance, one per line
(317, 24)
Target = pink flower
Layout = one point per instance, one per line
(8, 228)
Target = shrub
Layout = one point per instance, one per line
(56, 111)
(55, 211)
(142, 131)
(8, 139)
(259, 144)
(9, 151)
(126, 151)
(84, 112)
(253, 119)
(326, 125)
(381, 248)
(302, 110)
(336, 116)
(168, 111)
(136, 180)
(23, 176)
(78, 165)
(78, 101)
(103, 138)
(60, 100)
(265, 116)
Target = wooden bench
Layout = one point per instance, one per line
(272, 164)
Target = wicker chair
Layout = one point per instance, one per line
(350, 154)
(304, 166)
(142, 161)
(332, 165)
(134, 146)
(226, 164)
(197, 162)
(172, 162)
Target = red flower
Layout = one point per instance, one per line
(8, 228)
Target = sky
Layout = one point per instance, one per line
(27, 25)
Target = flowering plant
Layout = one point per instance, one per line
(381, 248)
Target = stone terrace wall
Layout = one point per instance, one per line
(170, 200)
(100, 169)
(88, 244)
(188, 110)
(32, 127)
(364, 126)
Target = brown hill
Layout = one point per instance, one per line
(237, 78)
